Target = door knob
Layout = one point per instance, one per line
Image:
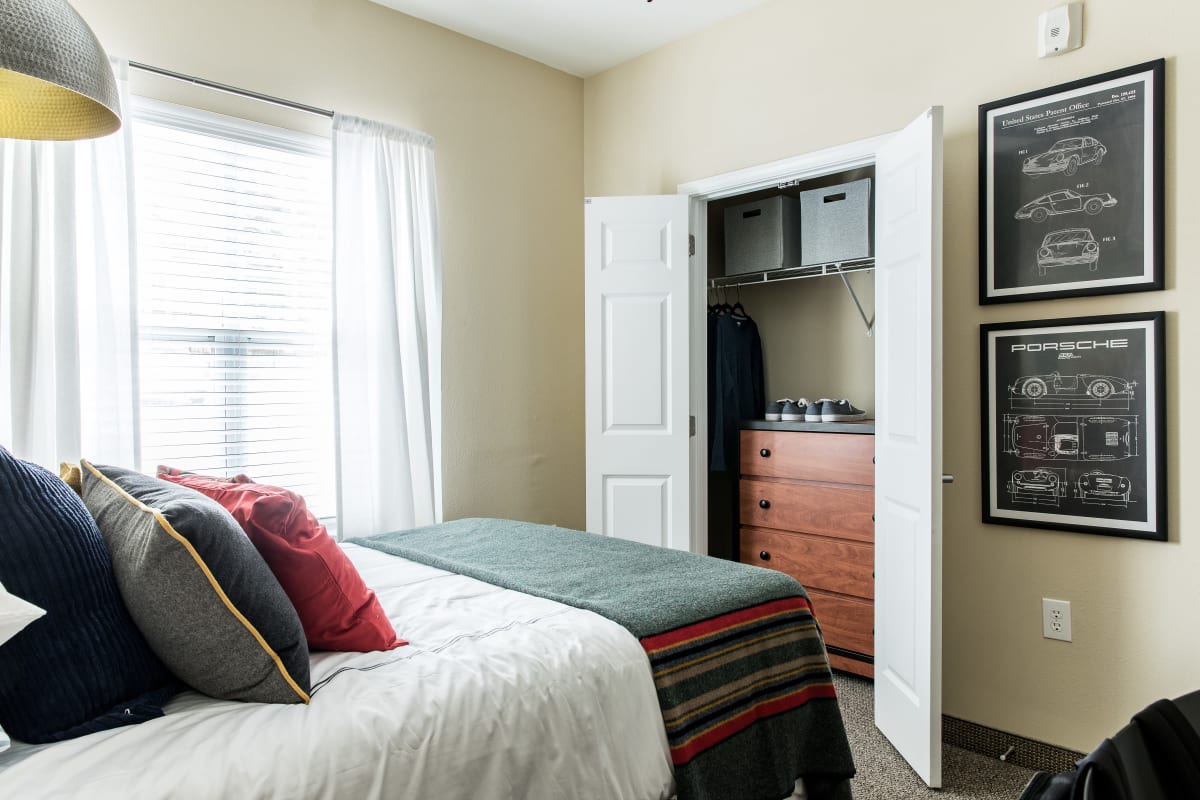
(764, 503)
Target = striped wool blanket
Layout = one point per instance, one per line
(743, 682)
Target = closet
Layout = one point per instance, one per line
(797, 496)
(647, 266)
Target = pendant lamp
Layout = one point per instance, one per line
(55, 79)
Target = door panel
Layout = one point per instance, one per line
(636, 368)
(637, 508)
(634, 341)
(908, 444)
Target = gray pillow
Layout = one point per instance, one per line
(201, 594)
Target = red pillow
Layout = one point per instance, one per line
(338, 610)
(164, 471)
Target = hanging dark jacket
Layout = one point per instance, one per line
(738, 389)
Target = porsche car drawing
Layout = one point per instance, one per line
(1067, 248)
(1094, 438)
(1103, 488)
(1039, 485)
(1082, 385)
(1066, 156)
(1064, 202)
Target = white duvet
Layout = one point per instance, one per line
(499, 696)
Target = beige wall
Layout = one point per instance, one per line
(814, 342)
(508, 133)
(792, 77)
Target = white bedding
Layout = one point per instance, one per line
(499, 696)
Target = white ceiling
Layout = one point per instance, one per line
(582, 37)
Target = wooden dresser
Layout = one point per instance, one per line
(806, 501)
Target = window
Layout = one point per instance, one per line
(234, 249)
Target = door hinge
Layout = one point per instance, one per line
(691, 244)
(691, 426)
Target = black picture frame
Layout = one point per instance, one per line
(1071, 188)
(1073, 424)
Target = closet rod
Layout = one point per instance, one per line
(221, 87)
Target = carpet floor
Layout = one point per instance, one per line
(884, 775)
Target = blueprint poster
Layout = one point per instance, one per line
(1069, 186)
(1071, 426)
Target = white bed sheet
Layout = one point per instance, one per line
(500, 695)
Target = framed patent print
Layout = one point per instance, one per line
(1073, 415)
(1071, 189)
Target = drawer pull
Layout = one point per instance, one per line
(765, 453)
(764, 504)
(764, 555)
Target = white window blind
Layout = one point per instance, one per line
(234, 243)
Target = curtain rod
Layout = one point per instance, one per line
(221, 87)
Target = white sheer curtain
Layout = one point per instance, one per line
(67, 328)
(387, 310)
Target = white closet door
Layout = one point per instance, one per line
(636, 368)
(908, 444)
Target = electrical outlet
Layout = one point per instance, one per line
(1056, 619)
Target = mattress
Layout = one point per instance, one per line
(499, 695)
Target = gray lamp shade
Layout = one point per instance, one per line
(55, 79)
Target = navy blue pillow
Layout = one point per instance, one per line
(83, 667)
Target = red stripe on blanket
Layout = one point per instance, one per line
(717, 624)
(702, 741)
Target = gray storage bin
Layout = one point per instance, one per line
(762, 235)
(836, 222)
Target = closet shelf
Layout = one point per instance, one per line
(793, 273)
(839, 268)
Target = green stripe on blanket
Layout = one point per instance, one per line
(740, 669)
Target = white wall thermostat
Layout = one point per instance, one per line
(1060, 30)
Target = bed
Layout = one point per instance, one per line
(502, 693)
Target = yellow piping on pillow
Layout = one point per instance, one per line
(71, 476)
(166, 526)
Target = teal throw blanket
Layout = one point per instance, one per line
(739, 665)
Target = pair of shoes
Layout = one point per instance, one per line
(786, 410)
(826, 410)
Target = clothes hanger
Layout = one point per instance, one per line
(738, 309)
(724, 307)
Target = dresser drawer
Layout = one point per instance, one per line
(843, 511)
(827, 457)
(845, 622)
(837, 565)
